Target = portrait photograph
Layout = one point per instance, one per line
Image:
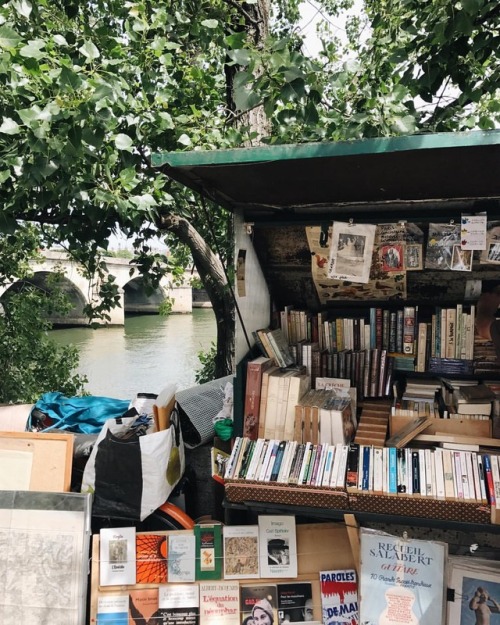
(476, 594)
(461, 260)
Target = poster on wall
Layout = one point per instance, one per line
(402, 580)
(441, 244)
(351, 251)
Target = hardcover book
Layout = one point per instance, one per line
(402, 580)
(251, 411)
(277, 546)
(241, 551)
(117, 556)
(295, 603)
(208, 550)
(151, 558)
(258, 603)
(181, 557)
(219, 603)
(339, 597)
(178, 604)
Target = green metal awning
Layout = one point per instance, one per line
(419, 172)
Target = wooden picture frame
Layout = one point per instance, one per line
(47, 457)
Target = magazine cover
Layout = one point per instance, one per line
(402, 581)
(339, 597)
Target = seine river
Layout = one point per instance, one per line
(144, 355)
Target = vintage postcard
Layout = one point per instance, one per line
(392, 257)
(413, 256)
(461, 259)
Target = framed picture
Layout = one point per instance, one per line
(413, 256)
(392, 257)
(476, 590)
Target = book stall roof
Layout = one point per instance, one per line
(420, 172)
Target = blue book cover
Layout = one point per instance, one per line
(393, 470)
(365, 484)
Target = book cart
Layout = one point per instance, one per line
(285, 200)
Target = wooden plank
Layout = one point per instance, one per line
(353, 534)
(52, 457)
(444, 437)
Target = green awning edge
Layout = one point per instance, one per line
(327, 149)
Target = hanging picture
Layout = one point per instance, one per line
(382, 284)
(473, 234)
(400, 246)
(351, 251)
(461, 260)
(491, 255)
(440, 244)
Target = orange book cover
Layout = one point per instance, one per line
(151, 558)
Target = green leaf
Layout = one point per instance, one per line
(184, 140)
(23, 7)
(240, 57)
(60, 40)
(236, 40)
(70, 78)
(123, 142)
(8, 37)
(33, 50)
(9, 127)
(404, 125)
(89, 50)
(471, 6)
(4, 175)
(210, 23)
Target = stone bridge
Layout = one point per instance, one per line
(131, 289)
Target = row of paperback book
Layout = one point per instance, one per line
(288, 462)
(429, 472)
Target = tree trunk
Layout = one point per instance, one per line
(215, 282)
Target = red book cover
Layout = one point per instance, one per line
(151, 558)
(255, 368)
(339, 597)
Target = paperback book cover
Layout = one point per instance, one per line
(117, 556)
(241, 551)
(142, 606)
(112, 610)
(295, 602)
(219, 603)
(208, 550)
(402, 580)
(181, 558)
(258, 604)
(178, 604)
(277, 546)
(339, 597)
(151, 558)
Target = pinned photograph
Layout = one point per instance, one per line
(351, 251)
(392, 257)
(461, 259)
(413, 257)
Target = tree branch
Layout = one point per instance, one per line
(245, 14)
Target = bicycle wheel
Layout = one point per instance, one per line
(167, 517)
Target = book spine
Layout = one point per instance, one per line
(450, 332)
(352, 466)
(449, 482)
(409, 330)
(415, 471)
(488, 474)
(399, 330)
(439, 469)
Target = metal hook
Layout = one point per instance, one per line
(351, 222)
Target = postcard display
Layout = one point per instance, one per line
(44, 562)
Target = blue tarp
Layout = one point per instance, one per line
(79, 414)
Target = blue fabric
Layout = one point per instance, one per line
(86, 415)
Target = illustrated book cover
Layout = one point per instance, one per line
(401, 580)
(339, 597)
(178, 604)
(142, 606)
(258, 603)
(208, 550)
(181, 558)
(277, 546)
(220, 603)
(241, 551)
(295, 604)
(151, 558)
(117, 556)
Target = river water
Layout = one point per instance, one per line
(144, 355)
